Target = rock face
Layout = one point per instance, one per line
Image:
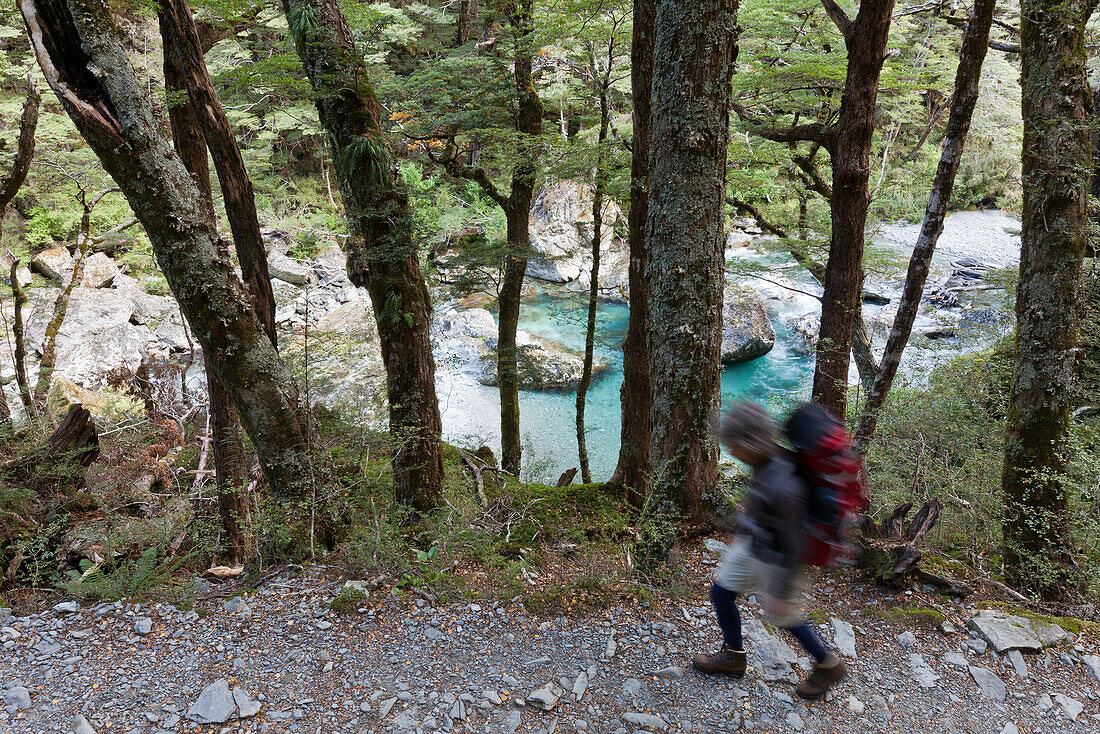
(466, 341)
(561, 234)
(747, 332)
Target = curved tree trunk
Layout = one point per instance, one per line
(633, 468)
(1057, 111)
(850, 145)
(81, 53)
(24, 149)
(694, 51)
(974, 45)
(382, 253)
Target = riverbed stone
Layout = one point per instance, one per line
(747, 331)
(288, 269)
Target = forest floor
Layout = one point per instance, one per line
(286, 661)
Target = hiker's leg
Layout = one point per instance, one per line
(729, 616)
(810, 642)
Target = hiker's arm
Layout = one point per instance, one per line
(791, 514)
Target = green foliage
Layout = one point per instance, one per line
(139, 577)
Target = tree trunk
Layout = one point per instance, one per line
(182, 42)
(524, 174)
(594, 286)
(633, 468)
(24, 149)
(467, 16)
(229, 454)
(60, 306)
(20, 298)
(113, 113)
(694, 51)
(382, 253)
(1057, 110)
(851, 153)
(972, 55)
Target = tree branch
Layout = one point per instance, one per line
(838, 16)
(813, 132)
(477, 175)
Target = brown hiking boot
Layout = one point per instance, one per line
(727, 661)
(826, 675)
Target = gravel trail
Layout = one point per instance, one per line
(280, 660)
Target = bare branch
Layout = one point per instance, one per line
(812, 132)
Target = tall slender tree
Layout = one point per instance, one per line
(633, 468)
(80, 50)
(964, 100)
(517, 207)
(694, 49)
(382, 252)
(1057, 112)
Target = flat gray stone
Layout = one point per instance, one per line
(47, 647)
(236, 605)
(511, 722)
(546, 697)
(715, 546)
(17, 696)
(795, 721)
(1018, 663)
(246, 706)
(143, 626)
(66, 607)
(991, 686)
(772, 656)
(844, 637)
(1092, 664)
(977, 645)
(922, 672)
(907, 640)
(957, 659)
(387, 706)
(646, 721)
(215, 705)
(1071, 707)
(580, 686)
(1006, 632)
(82, 726)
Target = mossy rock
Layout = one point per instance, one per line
(81, 502)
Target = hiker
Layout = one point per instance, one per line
(767, 553)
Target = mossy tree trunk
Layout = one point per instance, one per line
(198, 120)
(24, 149)
(971, 56)
(633, 468)
(81, 52)
(382, 252)
(694, 50)
(1057, 112)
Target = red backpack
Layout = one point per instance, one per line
(836, 475)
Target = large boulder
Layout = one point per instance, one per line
(561, 232)
(747, 331)
(55, 263)
(467, 340)
(98, 271)
(288, 269)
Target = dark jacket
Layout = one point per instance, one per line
(773, 518)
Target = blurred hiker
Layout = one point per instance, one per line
(768, 552)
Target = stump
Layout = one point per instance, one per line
(890, 552)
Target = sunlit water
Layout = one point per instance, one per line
(548, 419)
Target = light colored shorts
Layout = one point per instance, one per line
(742, 572)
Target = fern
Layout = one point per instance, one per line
(362, 156)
